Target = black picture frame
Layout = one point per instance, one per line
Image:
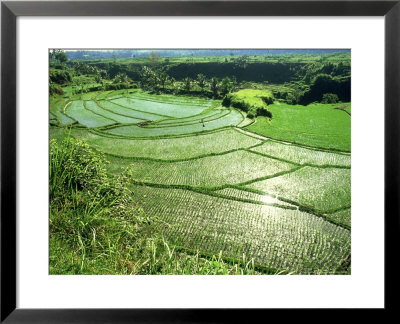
(10, 10)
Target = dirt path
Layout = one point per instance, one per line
(343, 108)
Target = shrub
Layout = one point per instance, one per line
(117, 86)
(60, 76)
(55, 89)
(269, 100)
(226, 102)
(251, 114)
(330, 98)
(326, 84)
(261, 111)
(292, 98)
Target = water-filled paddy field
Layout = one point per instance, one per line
(276, 190)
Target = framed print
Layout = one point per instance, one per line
(195, 152)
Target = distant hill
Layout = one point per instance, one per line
(129, 53)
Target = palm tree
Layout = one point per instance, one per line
(201, 80)
(148, 77)
(214, 85)
(226, 85)
(164, 78)
(187, 82)
(121, 78)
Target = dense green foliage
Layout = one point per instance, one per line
(324, 84)
(55, 89)
(294, 78)
(60, 76)
(329, 98)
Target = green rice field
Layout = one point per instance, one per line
(276, 191)
(316, 125)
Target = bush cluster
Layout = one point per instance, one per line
(60, 76)
(328, 98)
(326, 84)
(55, 89)
(117, 86)
(253, 102)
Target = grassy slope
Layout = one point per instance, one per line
(316, 125)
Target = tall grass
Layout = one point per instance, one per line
(94, 223)
(97, 228)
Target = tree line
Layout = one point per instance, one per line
(316, 81)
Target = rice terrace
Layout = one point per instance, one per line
(200, 162)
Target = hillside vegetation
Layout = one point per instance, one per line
(253, 102)
(293, 78)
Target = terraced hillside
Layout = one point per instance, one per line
(217, 186)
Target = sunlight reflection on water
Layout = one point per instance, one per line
(268, 199)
